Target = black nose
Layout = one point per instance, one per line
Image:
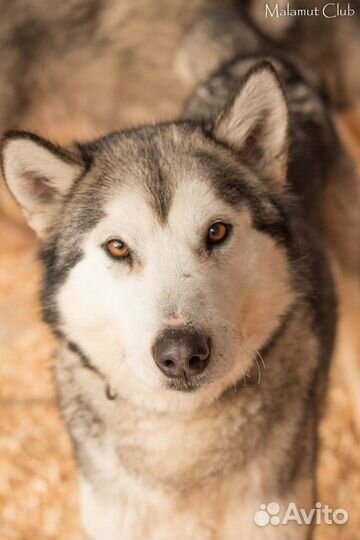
(180, 353)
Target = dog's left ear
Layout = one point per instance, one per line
(39, 175)
(255, 124)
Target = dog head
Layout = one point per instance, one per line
(165, 247)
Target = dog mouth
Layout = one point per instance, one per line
(185, 384)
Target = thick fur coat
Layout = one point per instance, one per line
(183, 457)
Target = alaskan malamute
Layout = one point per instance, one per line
(187, 278)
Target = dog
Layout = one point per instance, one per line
(187, 276)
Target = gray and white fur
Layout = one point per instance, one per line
(192, 370)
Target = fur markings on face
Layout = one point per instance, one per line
(161, 224)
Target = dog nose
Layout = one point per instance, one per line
(180, 353)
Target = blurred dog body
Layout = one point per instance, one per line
(209, 236)
(62, 59)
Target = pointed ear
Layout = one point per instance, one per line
(39, 175)
(255, 124)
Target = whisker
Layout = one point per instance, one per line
(259, 370)
(261, 358)
(232, 325)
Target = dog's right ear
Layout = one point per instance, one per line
(39, 175)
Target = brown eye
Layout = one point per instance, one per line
(117, 249)
(217, 233)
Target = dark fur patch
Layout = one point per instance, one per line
(54, 276)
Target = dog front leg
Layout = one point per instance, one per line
(102, 516)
